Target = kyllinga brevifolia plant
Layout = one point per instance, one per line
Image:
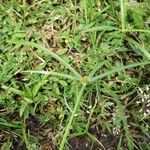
(83, 81)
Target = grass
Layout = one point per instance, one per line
(123, 15)
(73, 70)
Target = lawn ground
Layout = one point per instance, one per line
(75, 75)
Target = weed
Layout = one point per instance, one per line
(75, 68)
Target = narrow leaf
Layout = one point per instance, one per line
(96, 68)
(100, 28)
(139, 47)
(51, 73)
(118, 69)
(38, 86)
(54, 55)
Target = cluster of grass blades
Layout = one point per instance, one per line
(89, 79)
(84, 81)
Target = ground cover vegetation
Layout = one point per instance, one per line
(74, 74)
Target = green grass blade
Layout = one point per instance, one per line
(51, 73)
(100, 28)
(37, 87)
(85, 10)
(139, 47)
(25, 137)
(96, 68)
(118, 69)
(71, 118)
(65, 100)
(90, 116)
(54, 55)
(18, 92)
(137, 30)
(123, 14)
(3, 122)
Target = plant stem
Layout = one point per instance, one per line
(136, 30)
(123, 14)
(71, 118)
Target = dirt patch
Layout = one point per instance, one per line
(82, 143)
(18, 144)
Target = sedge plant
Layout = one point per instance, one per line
(90, 78)
(83, 81)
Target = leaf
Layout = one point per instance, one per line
(6, 146)
(38, 86)
(139, 48)
(52, 54)
(22, 108)
(28, 92)
(3, 122)
(138, 19)
(51, 73)
(16, 91)
(96, 68)
(100, 28)
(62, 82)
(118, 69)
(20, 34)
